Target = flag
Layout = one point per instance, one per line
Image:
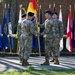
(10, 30)
(32, 7)
(73, 30)
(41, 30)
(69, 32)
(19, 23)
(60, 19)
(4, 32)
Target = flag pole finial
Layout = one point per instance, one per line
(54, 5)
(8, 5)
(40, 6)
(5, 5)
(20, 5)
(60, 6)
(70, 7)
(49, 5)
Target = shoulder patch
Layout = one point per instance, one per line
(49, 25)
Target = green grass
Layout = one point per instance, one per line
(32, 71)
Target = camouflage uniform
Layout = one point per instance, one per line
(26, 39)
(53, 33)
(57, 33)
(19, 32)
(46, 35)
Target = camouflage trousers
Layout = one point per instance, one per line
(25, 47)
(52, 46)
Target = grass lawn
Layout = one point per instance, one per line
(32, 71)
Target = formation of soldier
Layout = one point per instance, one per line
(53, 32)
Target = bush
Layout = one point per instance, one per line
(15, 39)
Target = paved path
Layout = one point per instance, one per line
(12, 63)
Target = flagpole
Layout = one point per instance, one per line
(9, 34)
(5, 8)
(38, 29)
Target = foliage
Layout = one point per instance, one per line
(41, 72)
(30, 68)
(15, 40)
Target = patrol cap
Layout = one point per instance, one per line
(23, 15)
(48, 11)
(54, 12)
(30, 14)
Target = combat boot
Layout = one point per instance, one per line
(20, 60)
(24, 62)
(52, 60)
(46, 62)
(56, 61)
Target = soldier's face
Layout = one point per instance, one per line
(47, 15)
(29, 17)
(54, 16)
(23, 18)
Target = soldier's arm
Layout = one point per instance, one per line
(19, 30)
(32, 29)
(47, 29)
(41, 25)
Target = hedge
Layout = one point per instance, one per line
(15, 40)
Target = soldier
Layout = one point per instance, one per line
(58, 34)
(46, 34)
(19, 34)
(55, 17)
(26, 38)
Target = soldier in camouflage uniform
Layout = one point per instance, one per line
(57, 30)
(26, 39)
(55, 17)
(46, 34)
(53, 32)
(19, 32)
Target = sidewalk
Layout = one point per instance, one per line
(12, 63)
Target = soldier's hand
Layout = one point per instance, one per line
(38, 33)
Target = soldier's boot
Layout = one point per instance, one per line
(52, 60)
(20, 60)
(56, 61)
(24, 62)
(46, 62)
